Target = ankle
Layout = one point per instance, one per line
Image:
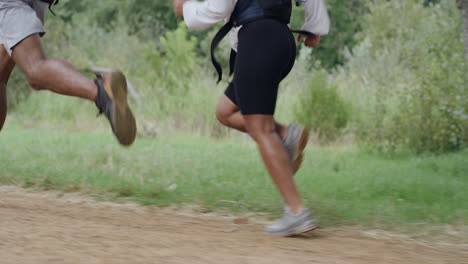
(294, 211)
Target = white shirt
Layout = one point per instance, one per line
(201, 15)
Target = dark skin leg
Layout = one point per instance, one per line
(55, 75)
(262, 129)
(268, 134)
(6, 67)
(229, 115)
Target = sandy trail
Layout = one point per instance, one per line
(39, 227)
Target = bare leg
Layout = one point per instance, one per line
(262, 129)
(56, 75)
(229, 115)
(6, 67)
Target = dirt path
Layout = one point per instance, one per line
(38, 227)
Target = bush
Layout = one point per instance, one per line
(406, 78)
(166, 73)
(322, 109)
(18, 89)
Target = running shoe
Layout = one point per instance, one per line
(111, 101)
(295, 143)
(293, 225)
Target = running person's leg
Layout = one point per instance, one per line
(61, 77)
(230, 115)
(266, 55)
(262, 129)
(294, 137)
(55, 75)
(19, 32)
(6, 67)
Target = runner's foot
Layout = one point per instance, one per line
(293, 225)
(112, 102)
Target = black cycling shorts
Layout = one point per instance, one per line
(265, 56)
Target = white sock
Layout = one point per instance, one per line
(288, 210)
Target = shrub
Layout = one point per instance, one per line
(406, 78)
(321, 108)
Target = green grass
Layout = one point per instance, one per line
(342, 186)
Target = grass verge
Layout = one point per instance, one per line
(342, 186)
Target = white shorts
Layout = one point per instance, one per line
(19, 19)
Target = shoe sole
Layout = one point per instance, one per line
(123, 121)
(303, 232)
(303, 140)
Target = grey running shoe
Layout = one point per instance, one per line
(295, 143)
(293, 225)
(111, 101)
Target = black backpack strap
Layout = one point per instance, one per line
(51, 3)
(214, 44)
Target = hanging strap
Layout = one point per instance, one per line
(214, 44)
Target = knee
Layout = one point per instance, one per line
(222, 115)
(222, 118)
(35, 75)
(258, 132)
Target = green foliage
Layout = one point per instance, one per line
(18, 89)
(430, 2)
(321, 108)
(180, 57)
(151, 19)
(174, 59)
(406, 78)
(147, 19)
(169, 73)
(346, 19)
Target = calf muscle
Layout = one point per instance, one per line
(56, 75)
